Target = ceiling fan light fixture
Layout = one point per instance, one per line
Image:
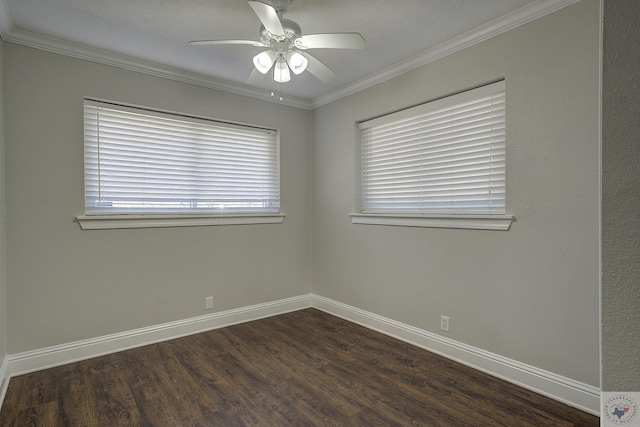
(297, 62)
(286, 45)
(264, 61)
(281, 72)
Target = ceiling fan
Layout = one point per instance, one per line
(286, 46)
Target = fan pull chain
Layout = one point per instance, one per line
(280, 98)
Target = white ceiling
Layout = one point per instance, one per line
(152, 36)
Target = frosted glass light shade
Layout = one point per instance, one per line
(297, 62)
(281, 72)
(264, 60)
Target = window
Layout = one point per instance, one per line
(445, 158)
(145, 162)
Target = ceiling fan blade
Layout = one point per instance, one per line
(269, 17)
(214, 42)
(330, 41)
(318, 69)
(255, 77)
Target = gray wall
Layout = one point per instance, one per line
(529, 294)
(65, 284)
(621, 197)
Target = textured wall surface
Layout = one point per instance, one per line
(621, 197)
(531, 293)
(3, 301)
(65, 284)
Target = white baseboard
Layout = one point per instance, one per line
(566, 390)
(30, 361)
(560, 388)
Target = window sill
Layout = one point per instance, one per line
(471, 222)
(103, 222)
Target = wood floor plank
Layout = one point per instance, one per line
(305, 368)
(45, 414)
(41, 388)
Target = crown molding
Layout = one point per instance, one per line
(499, 26)
(126, 62)
(496, 27)
(5, 19)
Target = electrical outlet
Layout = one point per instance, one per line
(208, 303)
(444, 323)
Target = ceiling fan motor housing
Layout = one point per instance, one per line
(291, 32)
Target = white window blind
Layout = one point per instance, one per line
(442, 157)
(143, 161)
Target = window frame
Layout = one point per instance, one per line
(456, 220)
(173, 218)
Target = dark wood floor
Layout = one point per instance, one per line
(305, 368)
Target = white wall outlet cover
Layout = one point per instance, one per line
(444, 323)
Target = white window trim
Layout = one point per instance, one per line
(101, 221)
(469, 222)
(105, 222)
